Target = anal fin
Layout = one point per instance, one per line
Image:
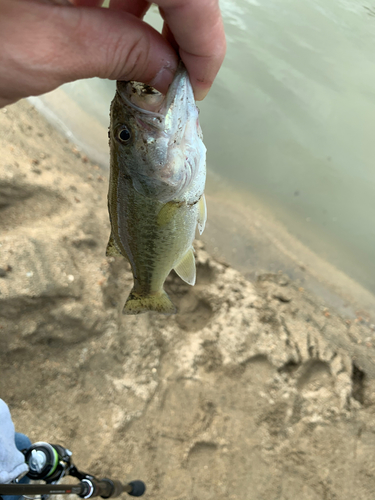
(202, 214)
(186, 267)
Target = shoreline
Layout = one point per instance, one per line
(255, 222)
(251, 380)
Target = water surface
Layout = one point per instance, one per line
(290, 120)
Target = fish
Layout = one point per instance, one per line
(156, 199)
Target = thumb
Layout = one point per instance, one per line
(46, 45)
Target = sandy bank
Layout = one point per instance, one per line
(253, 390)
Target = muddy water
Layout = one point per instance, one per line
(293, 113)
(290, 121)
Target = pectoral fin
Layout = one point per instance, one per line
(112, 249)
(202, 214)
(167, 212)
(186, 267)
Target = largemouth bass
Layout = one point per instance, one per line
(157, 179)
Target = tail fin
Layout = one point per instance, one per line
(159, 302)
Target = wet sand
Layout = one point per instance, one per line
(258, 388)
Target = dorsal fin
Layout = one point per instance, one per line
(112, 249)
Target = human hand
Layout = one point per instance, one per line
(45, 43)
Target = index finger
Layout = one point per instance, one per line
(197, 31)
(197, 27)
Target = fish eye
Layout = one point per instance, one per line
(124, 135)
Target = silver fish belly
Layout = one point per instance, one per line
(156, 189)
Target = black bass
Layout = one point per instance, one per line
(157, 179)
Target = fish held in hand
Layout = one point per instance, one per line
(156, 188)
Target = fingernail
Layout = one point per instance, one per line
(163, 79)
(200, 94)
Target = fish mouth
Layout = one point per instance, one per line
(151, 107)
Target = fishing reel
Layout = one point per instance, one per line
(51, 462)
(47, 462)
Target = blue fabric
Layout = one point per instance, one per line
(22, 443)
(12, 462)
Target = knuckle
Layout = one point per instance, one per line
(129, 60)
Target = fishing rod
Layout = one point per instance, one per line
(51, 462)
